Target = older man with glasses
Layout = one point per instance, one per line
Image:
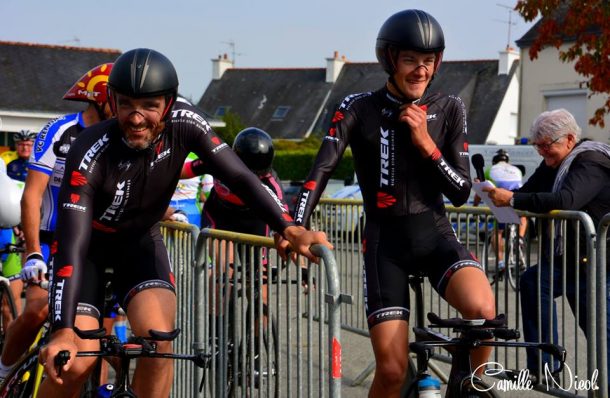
(574, 175)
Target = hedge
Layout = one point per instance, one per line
(294, 165)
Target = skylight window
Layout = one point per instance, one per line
(280, 112)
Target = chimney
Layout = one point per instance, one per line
(507, 57)
(220, 65)
(333, 67)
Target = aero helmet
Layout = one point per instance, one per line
(255, 148)
(409, 30)
(25, 135)
(500, 156)
(143, 73)
(91, 87)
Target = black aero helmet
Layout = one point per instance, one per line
(255, 148)
(409, 30)
(143, 73)
(500, 156)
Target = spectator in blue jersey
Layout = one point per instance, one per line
(18, 168)
(38, 204)
(574, 175)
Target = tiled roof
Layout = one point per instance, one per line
(254, 94)
(34, 77)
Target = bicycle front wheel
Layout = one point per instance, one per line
(20, 381)
(9, 311)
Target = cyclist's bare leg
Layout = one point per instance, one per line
(75, 377)
(153, 309)
(469, 292)
(15, 287)
(22, 332)
(391, 348)
(497, 241)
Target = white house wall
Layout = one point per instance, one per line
(547, 76)
(504, 128)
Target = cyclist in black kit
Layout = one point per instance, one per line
(120, 177)
(409, 149)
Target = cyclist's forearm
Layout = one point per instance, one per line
(30, 222)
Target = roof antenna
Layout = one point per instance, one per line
(509, 22)
(75, 40)
(234, 54)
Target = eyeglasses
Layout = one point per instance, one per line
(547, 146)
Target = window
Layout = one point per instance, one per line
(280, 112)
(222, 110)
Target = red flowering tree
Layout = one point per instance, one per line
(585, 26)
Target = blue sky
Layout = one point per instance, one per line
(266, 33)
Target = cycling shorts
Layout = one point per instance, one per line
(138, 261)
(396, 247)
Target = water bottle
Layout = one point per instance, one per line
(105, 391)
(120, 328)
(429, 387)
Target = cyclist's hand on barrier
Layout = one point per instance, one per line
(283, 248)
(179, 216)
(62, 340)
(301, 240)
(34, 268)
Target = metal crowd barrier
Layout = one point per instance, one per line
(255, 319)
(180, 240)
(343, 222)
(602, 296)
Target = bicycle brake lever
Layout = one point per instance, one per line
(60, 360)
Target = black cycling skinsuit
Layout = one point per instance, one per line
(112, 198)
(402, 193)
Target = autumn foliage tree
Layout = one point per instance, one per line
(585, 26)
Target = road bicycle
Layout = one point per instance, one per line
(135, 347)
(514, 258)
(462, 381)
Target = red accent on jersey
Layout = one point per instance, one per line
(385, 200)
(77, 179)
(101, 227)
(338, 116)
(172, 279)
(423, 107)
(287, 217)
(54, 247)
(74, 197)
(65, 271)
(332, 131)
(216, 141)
(159, 147)
(465, 146)
(310, 185)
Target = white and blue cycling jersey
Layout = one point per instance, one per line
(49, 157)
(505, 175)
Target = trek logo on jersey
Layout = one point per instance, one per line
(275, 198)
(333, 139)
(301, 208)
(161, 156)
(59, 292)
(119, 196)
(431, 117)
(220, 147)
(86, 162)
(77, 179)
(384, 149)
(452, 174)
(465, 152)
(192, 117)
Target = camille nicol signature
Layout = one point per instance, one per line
(523, 382)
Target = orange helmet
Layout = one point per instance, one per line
(91, 87)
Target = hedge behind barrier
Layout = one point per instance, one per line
(294, 165)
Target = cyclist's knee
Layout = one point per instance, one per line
(391, 372)
(482, 309)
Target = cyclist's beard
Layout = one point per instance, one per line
(141, 136)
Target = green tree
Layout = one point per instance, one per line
(585, 24)
(233, 125)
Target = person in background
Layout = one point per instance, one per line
(409, 150)
(24, 142)
(39, 203)
(574, 175)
